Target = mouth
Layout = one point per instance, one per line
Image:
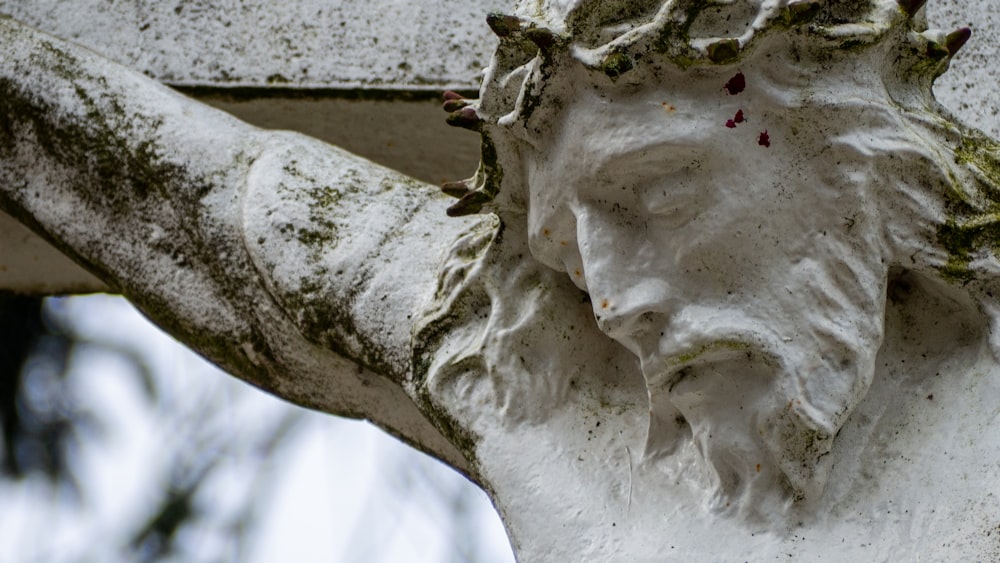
(702, 338)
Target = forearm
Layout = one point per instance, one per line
(263, 251)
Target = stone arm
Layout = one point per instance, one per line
(289, 263)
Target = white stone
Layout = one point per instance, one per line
(390, 44)
(678, 338)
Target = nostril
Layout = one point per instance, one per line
(620, 324)
(641, 310)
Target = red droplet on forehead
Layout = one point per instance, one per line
(736, 84)
(764, 140)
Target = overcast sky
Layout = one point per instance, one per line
(337, 490)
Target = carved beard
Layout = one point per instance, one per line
(745, 399)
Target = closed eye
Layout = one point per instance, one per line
(639, 165)
(650, 181)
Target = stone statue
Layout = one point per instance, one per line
(722, 287)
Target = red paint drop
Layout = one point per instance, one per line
(736, 84)
(730, 124)
(739, 117)
(764, 140)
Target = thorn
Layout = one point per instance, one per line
(723, 51)
(502, 24)
(455, 105)
(956, 39)
(455, 189)
(471, 203)
(466, 118)
(911, 6)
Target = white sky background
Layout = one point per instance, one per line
(338, 490)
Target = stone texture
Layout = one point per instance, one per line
(389, 44)
(629, 365)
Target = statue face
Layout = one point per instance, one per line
(748, 279)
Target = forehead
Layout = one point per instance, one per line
(606, 124)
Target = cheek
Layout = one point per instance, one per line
(552, 226)
(552, 238)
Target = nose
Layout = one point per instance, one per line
(630, 309)
(626, 272)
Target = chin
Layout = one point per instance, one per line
(736, 411)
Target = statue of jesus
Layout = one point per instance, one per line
(723, 286)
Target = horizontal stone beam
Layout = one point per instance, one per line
(389, 44)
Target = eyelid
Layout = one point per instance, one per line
(658, 161)
(678, 201)
(640, 176)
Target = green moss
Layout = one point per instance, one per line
(531, 100)
(491, 166)
(844, 12)
(324, 197)
(591, 16)
(972, 227)
(724, 51)
(852, 44)
(962, 240)
(712, 346)
(960, 243)
(462, 438)
(324, 237)
(616, 64)
(936, 51)
(802, 12)
(314, 238)
(983, 153)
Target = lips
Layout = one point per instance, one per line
(700, 335)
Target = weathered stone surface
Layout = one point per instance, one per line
(799, 250)
(739, 297)
(149, 189)
(393, 45)
(347, 44)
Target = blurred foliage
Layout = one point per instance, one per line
(42, 425)
(45, 425)
(37, 414)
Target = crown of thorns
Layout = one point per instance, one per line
(614, 38)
